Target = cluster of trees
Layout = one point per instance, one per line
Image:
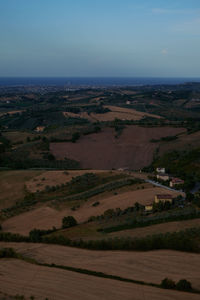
(187, 240)
(135, 222)
(18, 160)
(181, 285)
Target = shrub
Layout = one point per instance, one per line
(184, 285)
(168, 283)
(69, 221)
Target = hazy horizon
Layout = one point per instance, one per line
(93, 38)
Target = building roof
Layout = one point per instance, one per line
(163, 174)
(176, 180)
(164, 196)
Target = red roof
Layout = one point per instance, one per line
(177, 180)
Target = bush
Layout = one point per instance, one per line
(184, 285)
(68, 222)
(168, 283)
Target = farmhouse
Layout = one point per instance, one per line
(162, 176)
(148, 207)
(160, 170)
(163, 198)
(176, 181)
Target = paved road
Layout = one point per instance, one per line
(163, 186)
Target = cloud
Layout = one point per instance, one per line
(164, 51)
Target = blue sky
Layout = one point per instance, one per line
(124, 38)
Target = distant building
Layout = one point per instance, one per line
(163, 198)
(176, 181)
(162, 176)
(160, 170)
(148, 207)
(40, 128)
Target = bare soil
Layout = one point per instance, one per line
(132, 149)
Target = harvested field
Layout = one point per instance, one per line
(132, 149)
(115, 112)
(53, 178)
(122, 114)
(47, 217)
(19, 277)
(12, 185)
(151, 266)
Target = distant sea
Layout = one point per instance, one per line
(98, 81)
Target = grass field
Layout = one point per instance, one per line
(12, 186)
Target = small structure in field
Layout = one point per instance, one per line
(162, 176)
(148, 207)
(176, 181)
(40, 128)
(160, 170)
(163, 198)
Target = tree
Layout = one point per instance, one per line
(168, 283)
(75, 137)
(69, 221)
(184, 285)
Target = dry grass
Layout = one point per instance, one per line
(53, 178)
(18, 277)
(115, 112)
(151, 266)
(12, 185)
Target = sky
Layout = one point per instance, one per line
(100, 38)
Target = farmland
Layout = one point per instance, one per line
(75, 193)
(61, 284)
(103, 150)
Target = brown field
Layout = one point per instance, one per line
(184, 141)
(47, 217)
(53, 178)
(19, 277)
(151, 266)
(132, 149)
(116, 112)
(12, 185)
